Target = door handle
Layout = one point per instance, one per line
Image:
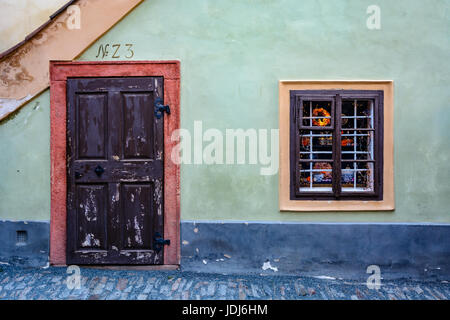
(99, 170)
(78, 175)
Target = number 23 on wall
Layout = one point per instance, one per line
(116, 52)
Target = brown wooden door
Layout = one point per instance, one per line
(115, 171)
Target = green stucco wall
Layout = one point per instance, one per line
(25, 162)
(232, 55)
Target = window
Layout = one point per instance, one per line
(336, 145)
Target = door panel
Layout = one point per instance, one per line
(115, 171)
(91, 211)
(92, 125)
(138, 126)
(138, 213)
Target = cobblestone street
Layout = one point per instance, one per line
(99, 284)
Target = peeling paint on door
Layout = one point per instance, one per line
(115, 184)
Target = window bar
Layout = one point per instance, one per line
(355, 153)
(371, 173)
(311, 148)
(371, 125)
(299, 138)
(354, 145)
(317, 152)
(336, 174)
(354, 135)
(361, 160)
(323, 117)
(324, 170)
(358, 129)
(319, 135)
(320, 160)
(357, 117)
(310, 113)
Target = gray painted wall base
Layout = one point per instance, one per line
(31, 251)
(341, 250)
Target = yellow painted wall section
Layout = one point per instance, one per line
(21, 17)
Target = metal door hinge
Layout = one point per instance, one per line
(160, 242)
(160, 108)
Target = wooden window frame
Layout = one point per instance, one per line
(384, 199)
(60, 71)
(296, 124)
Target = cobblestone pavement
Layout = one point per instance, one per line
(50, 283)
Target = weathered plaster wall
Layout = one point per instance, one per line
(20, 18)
(25, 162)
(24, 70)
(232, 55)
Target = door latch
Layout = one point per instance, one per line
(160, 242)
(99, 170)
(160, 108)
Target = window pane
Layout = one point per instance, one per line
(357, 145)
(357, 114)
(305, 181)
(357, 176)
(316, 176)
(307, 109)
(348, 111)
(316, 144)
(316, 113)
(364, 112)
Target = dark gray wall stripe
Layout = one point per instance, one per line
(332, 249)
(33, 252)
(311, 249)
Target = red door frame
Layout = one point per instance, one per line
(59, 72)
